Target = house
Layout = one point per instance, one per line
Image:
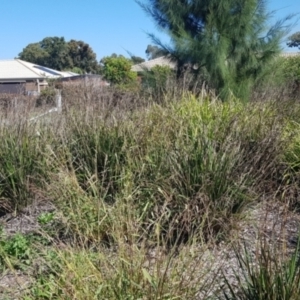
(290, 54)
(165, 61)
(148, 65)
(21, 77)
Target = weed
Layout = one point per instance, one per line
(45, 218)
(15, 251)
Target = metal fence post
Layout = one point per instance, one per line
(58, 100)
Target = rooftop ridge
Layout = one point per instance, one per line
(31, 69)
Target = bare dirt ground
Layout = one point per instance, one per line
(13, 283)
(271, 224)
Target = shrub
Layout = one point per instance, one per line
(117, 70)
(46, 97)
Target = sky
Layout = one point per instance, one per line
(108, 26)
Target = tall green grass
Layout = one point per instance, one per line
(182, 166)
(23, 165)
(150, 181)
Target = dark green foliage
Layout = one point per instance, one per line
(294, 40)
(226, 41)
(153, 52)
(35, 53)
(51, 52)
(56, 53)
(136, 59)
(83, 57)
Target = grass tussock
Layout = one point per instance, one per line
(135, 187)
(267, 276)
(126, 274)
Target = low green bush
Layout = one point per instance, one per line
(15, 252)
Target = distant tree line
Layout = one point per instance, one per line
(59, 54)
(77, 56)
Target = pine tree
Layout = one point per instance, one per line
(226, 41)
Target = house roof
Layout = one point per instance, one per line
(290, 54)
(16, 69)
(148, 65)
(165, 61)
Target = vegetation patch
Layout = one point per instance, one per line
(142, 199)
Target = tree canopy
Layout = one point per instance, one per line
(117, 70)
(136, 59)
(153, 52)
(228, 42)
(83, 56)
(294, 40)
(56, 53)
